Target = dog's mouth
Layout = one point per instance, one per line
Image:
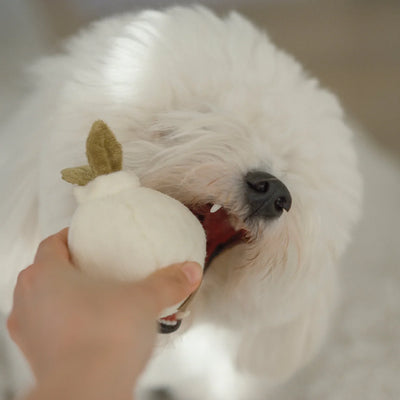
(220, 232)
(221, 235)
(169, 324)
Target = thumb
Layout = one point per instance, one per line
(170, 285)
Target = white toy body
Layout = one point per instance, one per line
(124, 231)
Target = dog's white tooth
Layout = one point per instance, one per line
(169, 323)
(215, 208)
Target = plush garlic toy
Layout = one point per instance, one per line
(122, 230)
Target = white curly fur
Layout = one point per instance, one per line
(198, 101)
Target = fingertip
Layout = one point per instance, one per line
(193, 272)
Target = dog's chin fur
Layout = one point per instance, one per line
(197, 102)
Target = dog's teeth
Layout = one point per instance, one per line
(215, 208)
(169, 323)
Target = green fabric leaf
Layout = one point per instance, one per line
(78, 175)
(103, 151)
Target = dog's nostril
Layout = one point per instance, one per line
(266, 195)
(260, 187)
(281, 203)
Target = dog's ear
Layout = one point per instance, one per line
(103, 151)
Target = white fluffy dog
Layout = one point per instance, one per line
(210, 112)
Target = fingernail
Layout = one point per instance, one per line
(192, 271)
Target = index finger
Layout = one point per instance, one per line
(53, 248)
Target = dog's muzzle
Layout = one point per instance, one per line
(266, 195)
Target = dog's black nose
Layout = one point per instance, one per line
(266, 195)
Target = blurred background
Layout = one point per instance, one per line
(353, 47)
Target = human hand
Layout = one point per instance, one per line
(76, 329)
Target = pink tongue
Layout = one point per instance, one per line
(170, 317)
(218, 230)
